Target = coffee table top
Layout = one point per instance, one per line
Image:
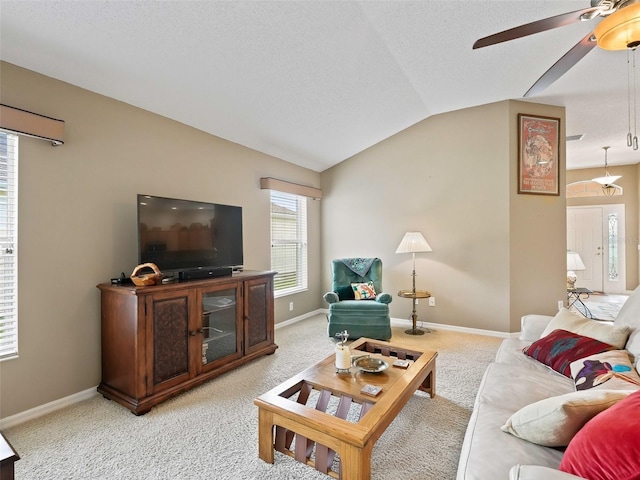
(398, 385)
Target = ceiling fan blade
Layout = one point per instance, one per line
(563, 65)
(535, 27)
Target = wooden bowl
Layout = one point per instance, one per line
(147, 279)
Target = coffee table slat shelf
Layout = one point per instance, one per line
(291, 410)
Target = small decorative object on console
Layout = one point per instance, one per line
(148, 278)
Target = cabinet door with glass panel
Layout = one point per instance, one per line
(220, 333)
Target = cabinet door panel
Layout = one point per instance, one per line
(220, 337)
(169, 316)
(258, 314)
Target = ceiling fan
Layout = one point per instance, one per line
(619, 30)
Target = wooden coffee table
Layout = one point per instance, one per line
(319, 412)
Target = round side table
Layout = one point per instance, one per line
(414, 295)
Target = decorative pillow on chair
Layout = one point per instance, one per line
(345, 293)
(609, 370)
(554, 421)
(558, 349)
(364, 291)
(606, 448)
(605, 332)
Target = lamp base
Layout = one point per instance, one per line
(414, 331)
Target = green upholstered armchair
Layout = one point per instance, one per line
(360, 318)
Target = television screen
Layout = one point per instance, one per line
(183, 234)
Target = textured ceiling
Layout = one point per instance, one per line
(315, 82)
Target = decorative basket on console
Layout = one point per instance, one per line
(146, 279)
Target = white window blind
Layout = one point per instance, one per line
(288, 242)
(8, 245)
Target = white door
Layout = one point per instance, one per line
(584, 235)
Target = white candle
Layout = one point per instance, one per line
(343, 357)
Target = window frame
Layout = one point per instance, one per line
(299, 243)
(9, 246)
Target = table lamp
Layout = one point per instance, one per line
(413, 242)
(574, 262)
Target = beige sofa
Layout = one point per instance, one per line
(512, 382)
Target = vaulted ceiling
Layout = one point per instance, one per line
(315, 82)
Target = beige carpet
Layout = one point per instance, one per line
(211, 432)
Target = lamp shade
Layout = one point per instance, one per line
(607, 180)
(620, 30)
(413, 242)
(574, 262)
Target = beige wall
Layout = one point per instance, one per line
(78, 222)
(629, 184)
(496, 254)
(538, 231)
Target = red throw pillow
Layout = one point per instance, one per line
(606, 448)
(558, 349)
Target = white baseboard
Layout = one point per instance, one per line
(300, 318)
(454, 328)
(36, 412)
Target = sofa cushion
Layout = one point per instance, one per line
(499, 396)
(615, 335)
(536, 472)
(606, 448)
(608, 370)
(554, 421)
(510, 351)
(363, 291)
(561, 347)
(510, 387)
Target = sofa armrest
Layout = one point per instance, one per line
(536, 472)
(384, 298)
(532, 326)
(331, 297)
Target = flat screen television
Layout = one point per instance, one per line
(180, 235)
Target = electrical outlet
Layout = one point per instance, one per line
(291, 306)
(432, 301)
(417, 301)
(560, 304)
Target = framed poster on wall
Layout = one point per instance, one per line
(538, 155)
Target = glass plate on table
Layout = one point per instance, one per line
(370, 364)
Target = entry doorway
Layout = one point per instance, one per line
(597, 233)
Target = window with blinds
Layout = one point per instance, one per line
(8, 245)
(288, 242)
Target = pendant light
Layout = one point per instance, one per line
(607, 181)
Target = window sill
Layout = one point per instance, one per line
(289, 291)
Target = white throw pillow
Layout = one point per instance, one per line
(605, 332)
(554, 421)
(607, 370)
